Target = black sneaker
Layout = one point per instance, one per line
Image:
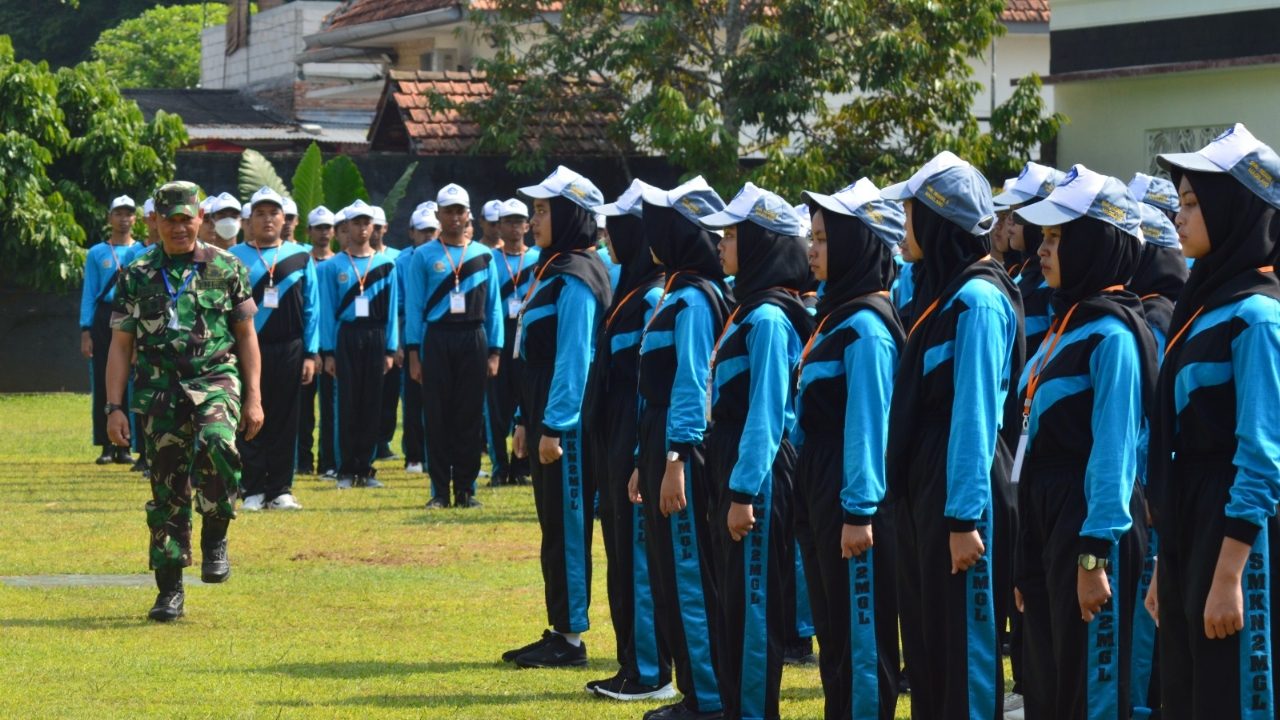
(680, 711)
(215, 566)
(620, 688)
(556, 652)
(511, 655)
(467, 500)
(437, 503)
(171, 599)
(107, 457)
(800, 653)
(122, 456)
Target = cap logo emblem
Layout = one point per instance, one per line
(1047, 186)
(453, 191)
(1258, 173)
(934, 196)
(1112, 211)
(875, 216)
(690, 205)
(1158, 198)
(1151, 231)
(106, 263)
(438, 267)
(577, 191)
(766, 213)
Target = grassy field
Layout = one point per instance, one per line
(363, 605)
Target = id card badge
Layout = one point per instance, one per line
(515, 343)
(513, 307)
(271, 297)
(1019, 456)
(711, 384)
(173, 318)
(457, 303)
(362, 306)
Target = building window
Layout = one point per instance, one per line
(1178, 140)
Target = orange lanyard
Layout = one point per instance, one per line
(537, 278)
(934, 305)
(1056, 332)
(609, 322)
(665, 291)
(457, 269)
(804, 354)
(515, 277)
(359, 278)
(1148, 297)
(715, 349)
(1178, 336)
(271, 269)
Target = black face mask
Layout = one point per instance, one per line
(858, 261)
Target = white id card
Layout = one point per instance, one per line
(271, 297)
(1018, 457)
(173, 318)
(362, 306)
(513, 307)
(711, 383)
(457, 303)
(515, 346)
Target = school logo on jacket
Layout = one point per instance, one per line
(342, 277)
(106, 263)
(438, 267)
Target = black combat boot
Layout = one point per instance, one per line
(169, 602)
(215, 567)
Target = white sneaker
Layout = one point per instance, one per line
(1013, 707)
(413, 468)
(284, 502)
(253, 503)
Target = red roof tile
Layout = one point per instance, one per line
(444, 131)
(1025, 11)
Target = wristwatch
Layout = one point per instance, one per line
(112, 407)
(673, 456)
(1093, 562)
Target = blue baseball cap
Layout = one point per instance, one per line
(1157, 229)
(694, 199)
(630, 202)
(1155, 191)
(862, 200)
(569, 185)
(806, 222)
(952, 188)
(1035, 181)
(1002, 207)
(1085, 193)
(1238, 153)
(764, 208)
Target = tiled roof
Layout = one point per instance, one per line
(405, 114)
(358, 12)
(1025, 11)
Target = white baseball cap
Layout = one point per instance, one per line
(222, 201)
(1085, 193)
(379, 216)
(492, 210)
(1238, 153)
(266, 194)
(123, 201)
(424, 218)
(148, 207)
(244, 212)
(513, 207)
(290, 207)
(207, 203)
(629, 202)
(320, 216)
(453, 194)
(359, 208)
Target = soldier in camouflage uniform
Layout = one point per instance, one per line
(187, 309)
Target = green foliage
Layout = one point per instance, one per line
(308, 187)
(343, 183)
(708, 83)
(159, 48)
(397, 191)
(71, 143)
(62, 32)
(256, 171)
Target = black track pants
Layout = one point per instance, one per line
(412, 442)
(454, 369)
(268, 466)
(361, 358)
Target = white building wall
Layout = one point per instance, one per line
(275, 39)
(1070, 14)
(1016, 56)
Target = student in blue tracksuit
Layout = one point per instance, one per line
(320, 230)
(750, 460)
(391, 384)
(454, 335)
(609, 417)
(423, 226)
(964, 348)
(1214, 467)
(554, 335)
(283, 279)
(845, 383)
(358, 341)
(1080, 546)
(515, 264)
(670, 478)
(1158, 279)
(102, 266)
(1035, 182)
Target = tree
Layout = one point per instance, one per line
(71, 142)
(707, 83)
(160, 48)
(61, 33)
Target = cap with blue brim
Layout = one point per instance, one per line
(862, 200)
(952, 188)
(759, 206)
(630, 202)
(569, 185)
(1157, 229)
(1085, 193)
(694, 199)
(1238, 153)
(999, 206)
(806, 222)
(1155, 191)
(1035, 181)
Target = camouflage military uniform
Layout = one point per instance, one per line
(187, 386)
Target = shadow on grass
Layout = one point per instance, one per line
(355, 669)
(438, 701)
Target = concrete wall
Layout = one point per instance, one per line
(275, 39)
(1069, 14)
(1017, 55)
(1118, 126)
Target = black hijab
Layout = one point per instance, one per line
(772, 268)
(859, 265)
(690, 250)
(948, 250)
(1092, 256)
(1031, 275)
(1244, 235)
(631, 245)
(573, 239)
(1157, 281)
